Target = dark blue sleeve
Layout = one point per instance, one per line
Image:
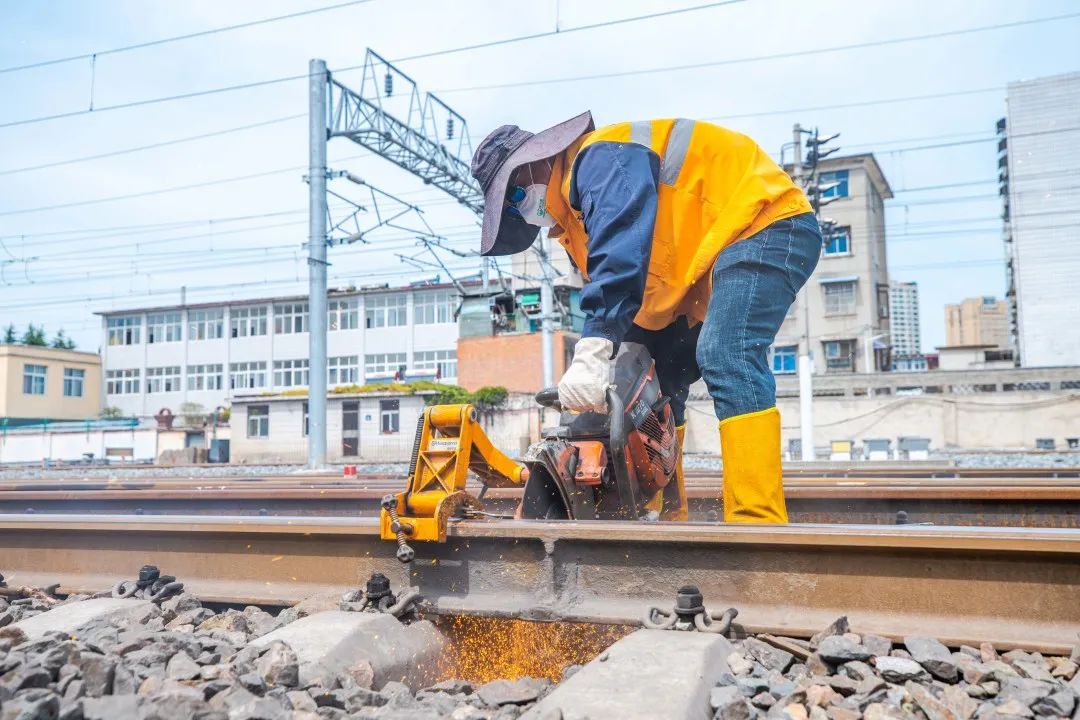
(614, 186)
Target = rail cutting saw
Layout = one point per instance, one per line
(591, 466)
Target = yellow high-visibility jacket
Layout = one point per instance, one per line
(716, 187)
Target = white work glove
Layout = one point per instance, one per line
(584, 385)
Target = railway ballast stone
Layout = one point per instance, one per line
(124, 667)
(924, 680)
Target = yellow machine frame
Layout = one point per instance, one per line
(449, 443)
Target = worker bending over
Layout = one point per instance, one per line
(692, 242)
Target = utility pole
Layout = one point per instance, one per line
(547, 310)
(317, 136)
(806, 358)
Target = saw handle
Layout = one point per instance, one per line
(549, 397)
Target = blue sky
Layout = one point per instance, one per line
(60, 265)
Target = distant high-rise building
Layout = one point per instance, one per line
(904, 318)
(1039, 152)
(977, 321)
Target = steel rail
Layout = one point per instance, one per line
(1010, 586)
(1055, 505)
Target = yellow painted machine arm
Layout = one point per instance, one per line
(449, 443)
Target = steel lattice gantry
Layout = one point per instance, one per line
(431, 141)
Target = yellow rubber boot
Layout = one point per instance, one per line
(681, 513)
(753, 486)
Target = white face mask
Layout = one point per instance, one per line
(532, 208)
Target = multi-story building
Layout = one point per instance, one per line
(977, 321)
(164, 357)
(845, 303)
(43, 383)
(904, 319)
(1039, 151)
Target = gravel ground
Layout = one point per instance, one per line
(840, 675)
(183, 661)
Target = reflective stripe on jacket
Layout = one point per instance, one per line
(715, 187)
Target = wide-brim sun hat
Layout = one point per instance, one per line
(496, 160)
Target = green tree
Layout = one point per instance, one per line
(10, 338)
(111, 413)
(34, 335)
(62, 341)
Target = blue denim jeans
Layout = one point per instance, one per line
(754, 283)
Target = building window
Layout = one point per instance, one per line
(258, 421)
(124, 330)
(343, 314)
(434, 307)
(206, 324)
(838, 242)
(122, 382)
(839, 297)
(440, 363)
(163, 379)
(785, 359)
(384, 363)
(304, 428)
(343, 370)
(290, 373)
(164, 327)
(290, 318)
(837, 176)
(247, 375)
(839, 355)
(385, 311)
(389, 416)
(33, 379)
(73, 382)
(247, 322)
(204, 377)
(882, 300)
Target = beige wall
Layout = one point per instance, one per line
(976, 322)
(863, 211)
(14, 403)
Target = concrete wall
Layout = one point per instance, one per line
(32, 446)
(979, 409)
(14, 403)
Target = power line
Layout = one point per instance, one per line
(177, 38)
(564, 31)
(291, 78)
(151, 146)
(760, 58)
(861, 103)
(154, 100)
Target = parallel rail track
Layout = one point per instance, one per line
(964, 501)
(1009, 586)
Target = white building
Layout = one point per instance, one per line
(1040, 151)
(164, 357)
(904, 319)
(373, 426)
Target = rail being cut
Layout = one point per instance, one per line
(1010, 586)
